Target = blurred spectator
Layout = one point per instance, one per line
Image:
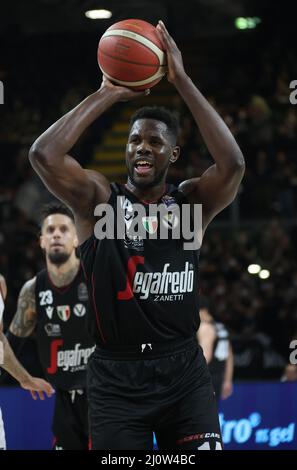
(290, 373)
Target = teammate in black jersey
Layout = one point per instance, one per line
(214, 339)
(147, 372)
(54, 305)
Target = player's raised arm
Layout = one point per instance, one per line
(218, 186)
(61, 173)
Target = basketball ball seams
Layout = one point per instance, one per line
(138, 38)
(120, 57)
(141, 64)
(125, 31)
(158, 74)
(140, 72)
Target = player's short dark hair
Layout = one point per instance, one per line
(159, 113)
(54, 208)
(204, 303)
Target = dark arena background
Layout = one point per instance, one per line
(242, 55)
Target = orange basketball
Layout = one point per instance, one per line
(131, 54)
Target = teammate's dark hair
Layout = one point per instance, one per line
(54, 208)
(208, 304)
(159, 114)
(203, 303)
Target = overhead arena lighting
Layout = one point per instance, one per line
(264, 274)
(254, 268)
(98, 14)
(247, 22)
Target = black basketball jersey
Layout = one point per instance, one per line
(63, 342)
(141, 290)
(220, 352)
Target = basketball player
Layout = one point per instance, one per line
(147, 372)
(54, 303)
(9, 362)
(213, 337)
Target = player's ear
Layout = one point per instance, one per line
(75, 241)
(175, 154)
(41, 241)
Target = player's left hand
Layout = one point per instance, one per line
(37, 387)
(174, 58)
(122, 93)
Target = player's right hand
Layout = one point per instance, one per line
(37, 387)
(123, 93)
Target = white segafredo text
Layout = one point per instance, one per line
(176, 282)
(73, 358)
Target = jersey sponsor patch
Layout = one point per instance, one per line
(127, 205)
(63, 312)
(79, 310)
(165, 282)
(68, 360)
(52, 329)
(49, 311)
(82, 292)
(165, 285)
(170, 220)
(134, 243)
(150, 224)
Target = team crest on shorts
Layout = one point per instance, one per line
(63, 312)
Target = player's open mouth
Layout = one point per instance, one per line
(143, 167)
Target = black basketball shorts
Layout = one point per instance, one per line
(165, 389)
(70, 422)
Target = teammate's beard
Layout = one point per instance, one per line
(58, 258)
(150, 184)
